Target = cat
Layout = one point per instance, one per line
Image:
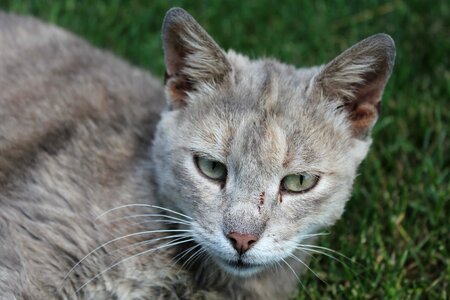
(213, 185)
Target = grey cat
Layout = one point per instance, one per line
(220, 196)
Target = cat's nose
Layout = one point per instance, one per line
(242, 242)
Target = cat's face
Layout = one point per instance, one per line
(259, 154)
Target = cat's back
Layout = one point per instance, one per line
(53, 84)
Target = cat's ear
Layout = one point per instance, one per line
(357, 79)
(191, 56)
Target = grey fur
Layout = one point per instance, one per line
(76, 126)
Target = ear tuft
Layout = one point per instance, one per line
(191, 56)
(357, 78)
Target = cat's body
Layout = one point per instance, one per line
(76, 125)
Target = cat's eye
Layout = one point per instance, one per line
(210, 168)
(299, 183)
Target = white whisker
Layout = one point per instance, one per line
(315, 234)
(289, 266)
(120, 238)
(143, 205)
(184, 253)
(162, 221)
(149, 242)
(151, 215)
(196, 258)
(169, 244)
(326, 249)
(191, 257)
(306, 266)
(279, 266)
(298, 278)
(323, 253)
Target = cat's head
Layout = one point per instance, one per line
(261, 154)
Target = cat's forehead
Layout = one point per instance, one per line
(266, 119)
(267, 81)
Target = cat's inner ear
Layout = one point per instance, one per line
(191, 56)
(357, 79)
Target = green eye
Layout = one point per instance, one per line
(211, 168)
(299, 182)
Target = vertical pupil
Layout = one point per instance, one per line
(213, 165)
(300, 178)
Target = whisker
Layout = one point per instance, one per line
(298, 278)
(324, 253)
(156, 221)
(196, 258)
(184, 253)
(306, 265)
(151, 215)
(143, 205)
(327, 249)
(169, 244)
(279, 266)
(175, 239)
(120, 238)
(313, 248)
(289, 266)
(192, 256)
(315, 234)
(148, 242)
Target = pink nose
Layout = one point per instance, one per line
(242, 242)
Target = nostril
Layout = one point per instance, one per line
(232, 240)
(251, 242)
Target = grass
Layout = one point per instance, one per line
(396, 227)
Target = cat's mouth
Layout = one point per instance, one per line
(241, 264)
(240, 267)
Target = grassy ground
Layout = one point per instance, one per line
(396, 226)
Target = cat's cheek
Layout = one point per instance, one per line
(203, 196)
(328, 208)
(315, 209)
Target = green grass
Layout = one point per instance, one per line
(396, 227)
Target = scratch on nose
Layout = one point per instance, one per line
(261, 201)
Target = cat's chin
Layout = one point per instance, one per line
(240, 268)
